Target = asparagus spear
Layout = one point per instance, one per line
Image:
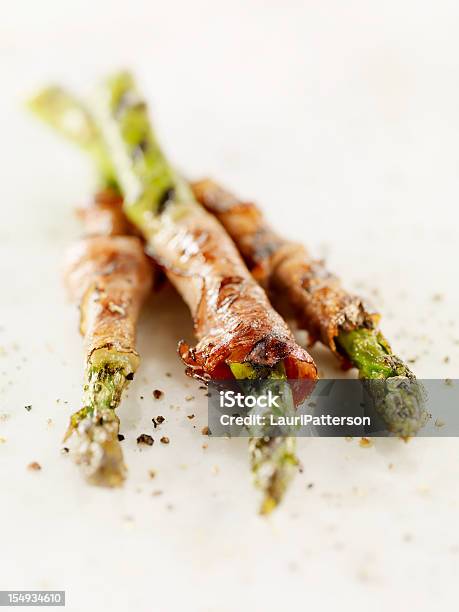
(108, 368)
(109, 276)
(97, 426)
(273, 459)
(150, 183)
(400, 399)
(69, 117)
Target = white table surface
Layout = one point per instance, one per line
(342, 120)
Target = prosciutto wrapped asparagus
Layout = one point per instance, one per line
(108, 275)
(238, 331)
(321, 305)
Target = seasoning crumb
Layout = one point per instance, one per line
(158, 394)
(49, 422)
(189, 398)
(203, 387)
(145, 439)
(310, 485)
(160, 419)
(65, 450)
(190, 416)
(152, 474)
(28, 407)
(446, 359)
(34, 466)
(448, 382)
(205, 446)
(130, 376)
(165, 440)
(168, 374)
(120, 437)
(365, 443)
(141, 397)
(205, 431)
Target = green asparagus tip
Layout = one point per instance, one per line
(273, 460)
(370, 353)
(397, 396)
(96, 427)
(274, 464)
(98, 449)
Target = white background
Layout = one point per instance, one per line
(342, 120)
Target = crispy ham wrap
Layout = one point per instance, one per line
(110, 276)
(286, 270)
(233, 319)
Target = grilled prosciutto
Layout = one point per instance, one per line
(109, 275)
(233, 319)
(286, 269)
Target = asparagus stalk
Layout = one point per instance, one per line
(108, 371)
(97, 426)
(370, 353)
(273, 460)
(149, 182)
(69, 117)
(400, 400)
(110, 276)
